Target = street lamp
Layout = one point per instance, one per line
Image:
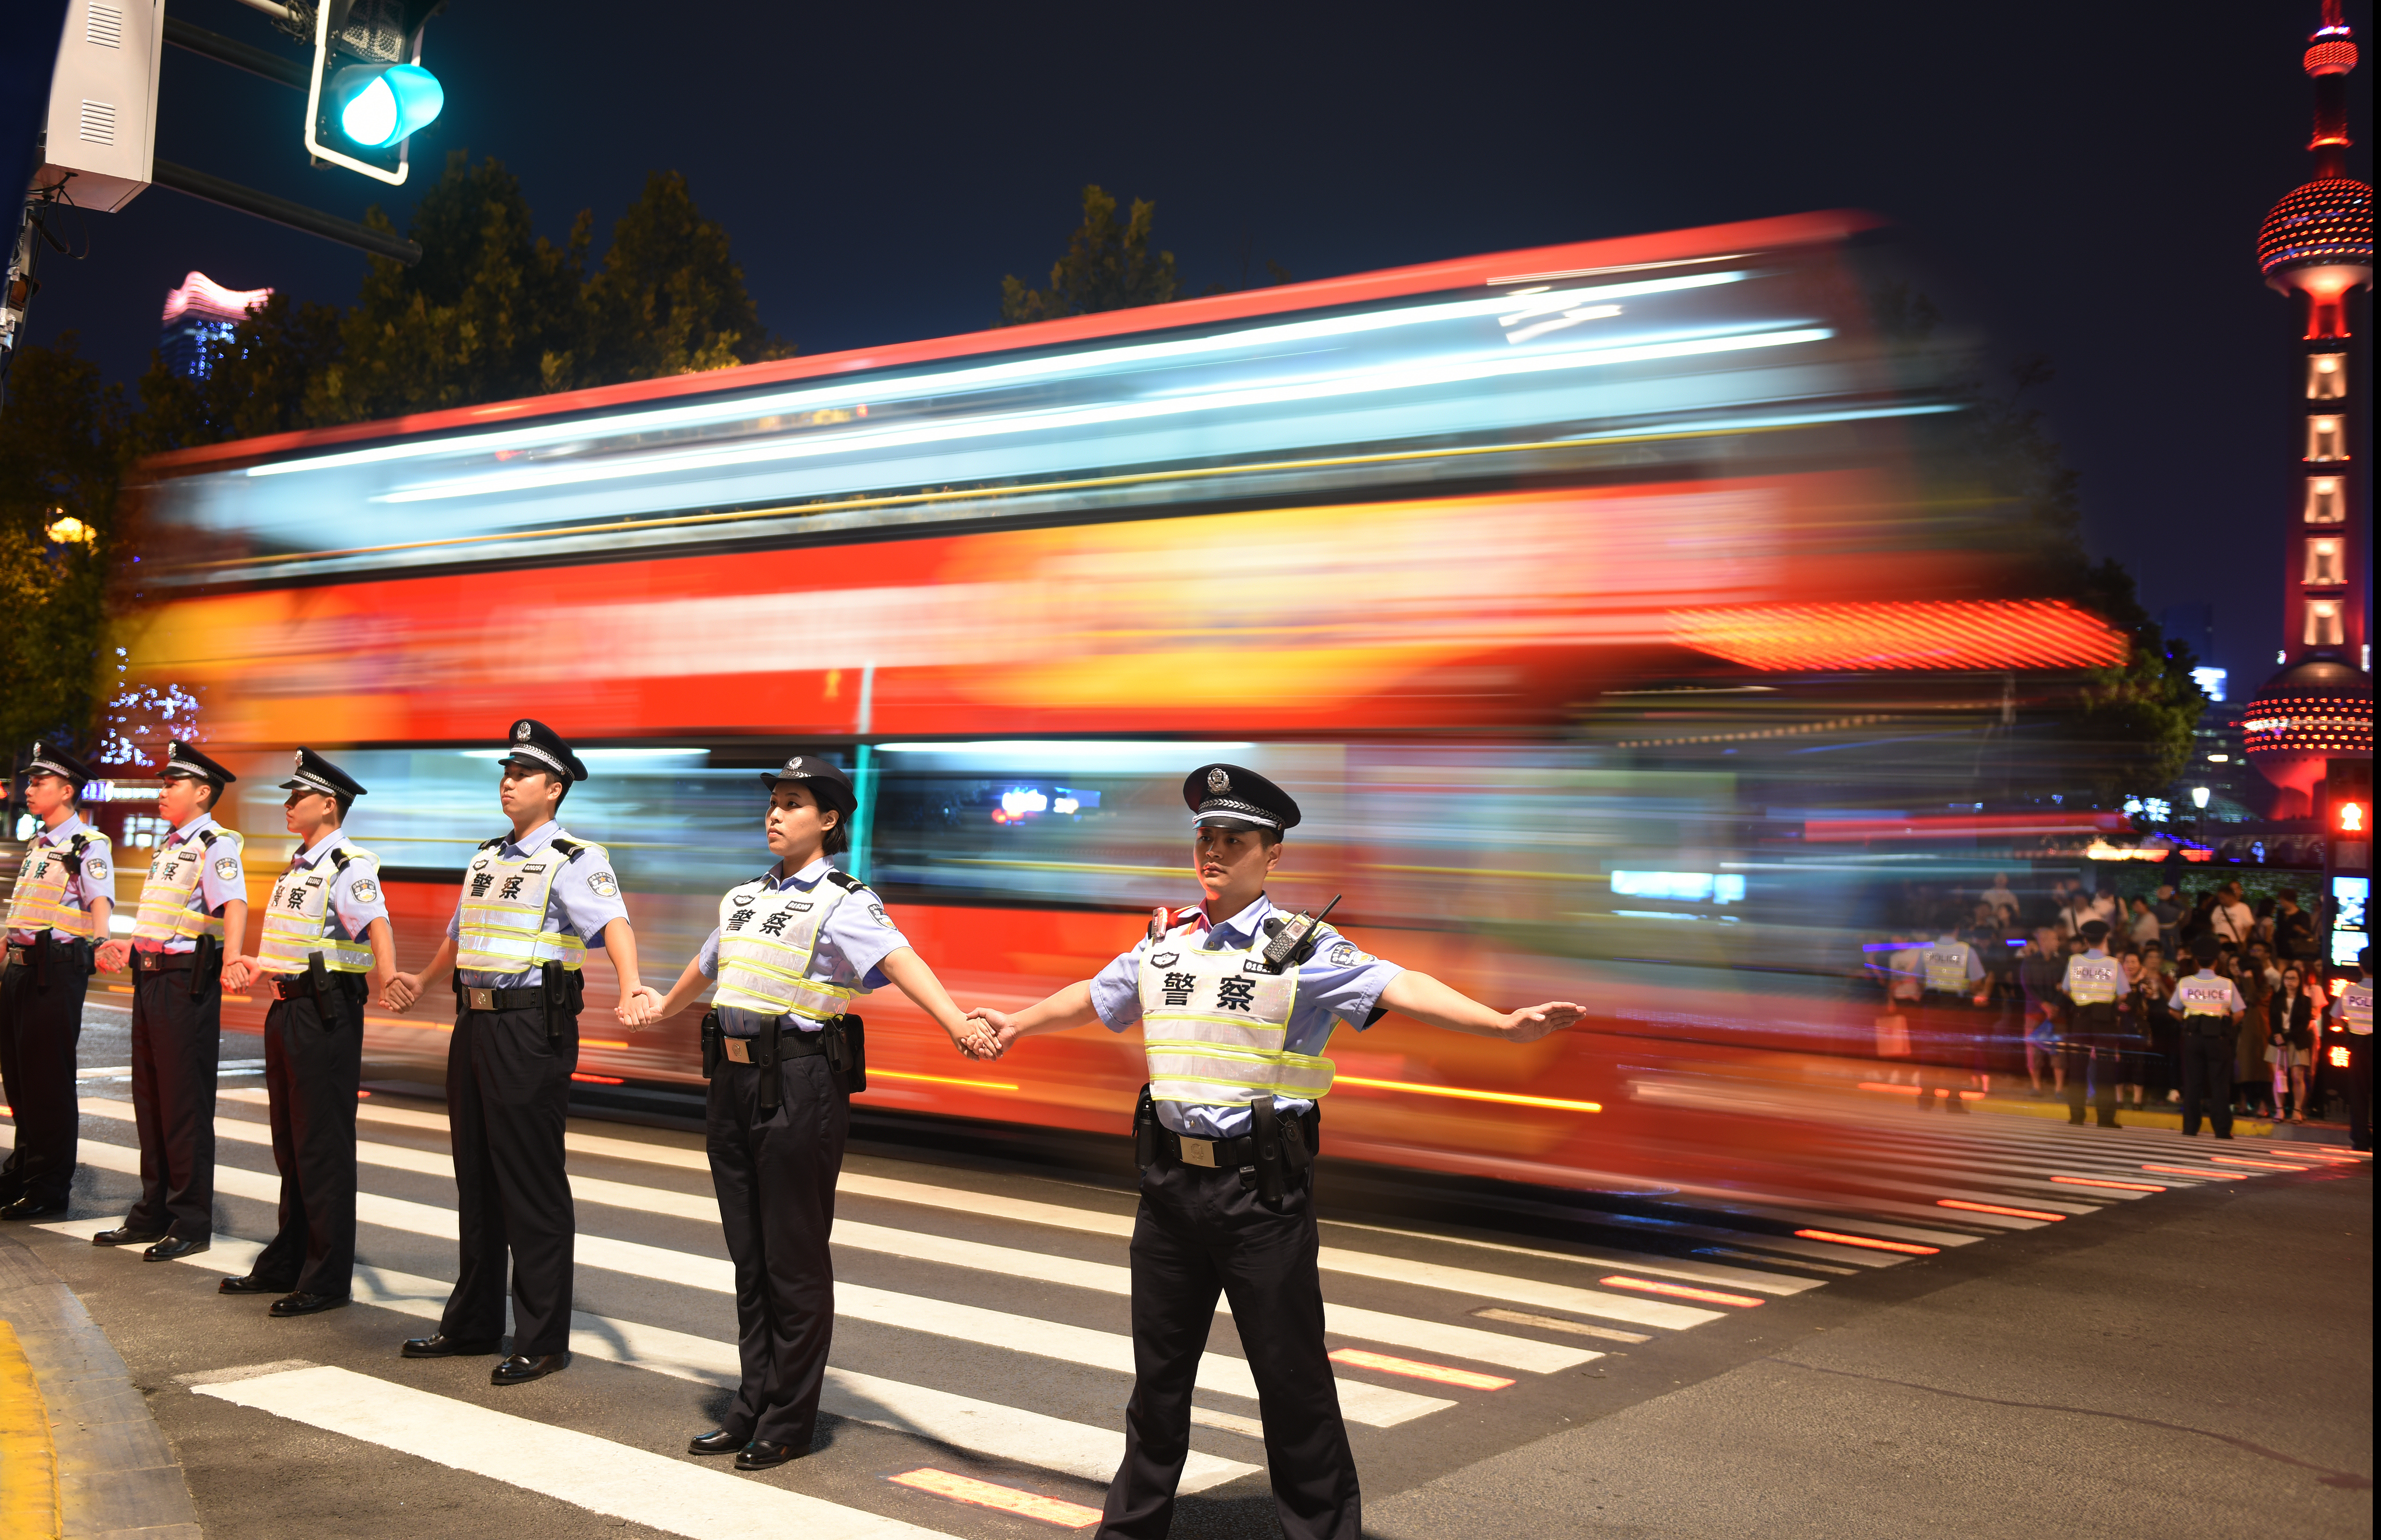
(2198, 798)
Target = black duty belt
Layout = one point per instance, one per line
(19, 955)
(530, 998)
(163, 961)
(792, 1043)
(297, 986)
(1187, 1149)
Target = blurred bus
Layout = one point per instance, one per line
(1496, 564)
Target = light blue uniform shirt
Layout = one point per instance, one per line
(220, 880)
(95, 881)
(355, 898)
(583, 899)
(856, 936)
(1338, 983)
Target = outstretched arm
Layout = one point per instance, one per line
(908, 973)
(1435, 1005)
(1071, 1007)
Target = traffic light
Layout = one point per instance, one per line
(2348, 857)
(368, 92)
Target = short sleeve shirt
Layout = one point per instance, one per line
(2210, 992)
(95, 880)
(585, 898)
(222, 878)
(355, 898)
(1340, 982)
(855, 938)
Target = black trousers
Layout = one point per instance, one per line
(2208, 1074)
(1199, 1233)
(775, 1175)
(39, 1029)
(507, 1094)
(313, 1059)
(1947, 1048)
(2090, 1050)
(176, 1044)
(2358, 1084)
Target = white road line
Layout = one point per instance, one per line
(982, 1427)
(1372, 1326)
(594, 1474)
(1373, 1405)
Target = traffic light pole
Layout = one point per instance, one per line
(213, 189)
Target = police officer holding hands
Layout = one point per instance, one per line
(534, 903)
(2092, 984)
(783, 1052)
(1236, 1000)
(185, 952)
(326, 929)
(57, 911)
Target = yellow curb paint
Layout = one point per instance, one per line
(29, 1460)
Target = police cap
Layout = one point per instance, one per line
(50, 759)
(1229, 796)
(311, 772)
(2094, 931)
(824, 776)
(184, 762)
(536, 747)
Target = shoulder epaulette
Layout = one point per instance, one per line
(571, 849)
(844, 881)
(493, 845)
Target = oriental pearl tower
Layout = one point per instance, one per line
(2317, 244)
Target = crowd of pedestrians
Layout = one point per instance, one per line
(2018, 1021)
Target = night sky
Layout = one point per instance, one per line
(2081, 182)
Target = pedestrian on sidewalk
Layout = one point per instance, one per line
(2159, 1026)
(184, 954)
(783, 1052)
(534, 903)
(2040, 973)
(1236, 1001)
(2351, 1018)
(2211, 1012)
(2291, 1016)
(58, 911)
(326, 928)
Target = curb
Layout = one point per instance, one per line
(29, 1461)
(113, 1476)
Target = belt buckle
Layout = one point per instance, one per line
(739, 1049)
(481, 1000)
(1198, 1152)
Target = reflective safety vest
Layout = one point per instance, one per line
(502, 928)
(1212, 1025)
(2209, 997)
(299, 914)
(766, 938)
(1947, 966)
(2356, 1008)
(167, 911)
(2094, 980)
(40, 900)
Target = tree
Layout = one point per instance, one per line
(670, 299)
(1108, 266)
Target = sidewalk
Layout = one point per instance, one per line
(80, 1457)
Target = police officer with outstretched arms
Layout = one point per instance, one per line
(534, 903)
(2351, 1026)
(784, 1052)
(185, 952)
(2089, 1042)
(1236, 1000)
(2210, 1007)
(326, 929)
(57, 912)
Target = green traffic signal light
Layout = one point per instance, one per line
(379, 105)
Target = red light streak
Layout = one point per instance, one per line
(596, 1079)
(2196, 1170)
(1912, 1090)
(2268, 1165)
(1954, 634)
(1869, 1241)
(1678, 1291)
(1999, 1208)
(2097, 1182)
(1362, 1359)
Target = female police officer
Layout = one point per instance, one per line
(793, 947)
(1235, 1005)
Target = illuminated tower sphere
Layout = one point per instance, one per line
(2318, 243)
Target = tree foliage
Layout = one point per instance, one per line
(1108, 266)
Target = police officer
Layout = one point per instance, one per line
(1236, 1000)
(184, 951)
(2351, 1019)
(58, 909)
(534, 903)
(2210, 1006)
(1951, 972)
(793, 948)
(2092, 981)
(324, 930)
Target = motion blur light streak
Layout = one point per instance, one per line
(875, 1074)
(2268, 1165)
(1912, 1090)
(2100, 1182)
(1510, 1097)
(596, 1079)
(1006, 1500)
(1871, 1243)
(1962, 634)
(1678, 1291)
(1997, 1208)
(2196, 1170)
(1363, 1358)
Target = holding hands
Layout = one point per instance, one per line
(640, 1008)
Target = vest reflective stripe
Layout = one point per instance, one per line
(1947, 966)
(1214, 1025)
(300, 911)
(2356, 1008)
(2093, 980)
(766, 940)
(2211, 998)
(167, 912)
(40, 900)
(502, 928)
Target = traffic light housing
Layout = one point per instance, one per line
(367, 92)
(2348, 858)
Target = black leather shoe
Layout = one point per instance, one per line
(760, 1454)
(173, 1248)
(32, 1208)
(251, 1284)
(303, 1304)
(439, 1345)
(519, 1369)
(717, 1441)
(127, 1237)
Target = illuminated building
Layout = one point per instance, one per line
(201, 311)
(2318, 243)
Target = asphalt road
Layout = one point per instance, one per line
(1662, 1361)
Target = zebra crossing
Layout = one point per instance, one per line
(1424, 1322)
